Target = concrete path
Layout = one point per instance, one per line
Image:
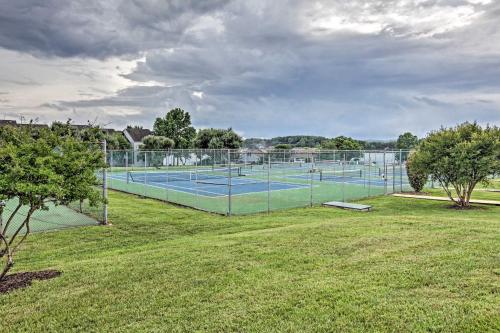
(428, 197)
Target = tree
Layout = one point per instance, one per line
(215, 138)
(407, 141)
(152, 142)
(341, 143)
(38, 170)
(416, 176)
(283, 146)
(176, 125)
(459, 158)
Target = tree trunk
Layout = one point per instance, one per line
(9, 263)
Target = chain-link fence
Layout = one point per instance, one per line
(78, 213)
(249, 181)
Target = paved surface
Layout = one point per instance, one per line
(428, 197)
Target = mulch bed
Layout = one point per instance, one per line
(23, 280)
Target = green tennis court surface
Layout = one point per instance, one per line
(56, 217)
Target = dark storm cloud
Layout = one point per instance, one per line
(370, 69)
(95, 28)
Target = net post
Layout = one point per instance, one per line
(105, 185)
(229, 210)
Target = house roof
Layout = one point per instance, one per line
(7, 122)
(137, 134)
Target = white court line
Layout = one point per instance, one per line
(295, 187)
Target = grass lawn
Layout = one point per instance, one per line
(480, 191)
(410, 265)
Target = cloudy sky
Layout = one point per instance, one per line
(369, 69)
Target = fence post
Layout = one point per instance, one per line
(401, 170)
(268, 183)
(385, 175)
(343, 179)
(311, 187)
(229, 182)
(105, 185)
(145, 173)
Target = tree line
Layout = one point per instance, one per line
(176, 131)
(405, 141)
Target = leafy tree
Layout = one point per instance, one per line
(117, 141)
(215, 138)
(341, 143)
(91, 134)
(407, 141)
(416, 176)
(36, 171)
(283, 146)
(459, 158)
(176, 125)
(152, 142)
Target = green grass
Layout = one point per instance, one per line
(410, 265)
(480, 191)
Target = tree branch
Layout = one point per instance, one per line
(11, 217)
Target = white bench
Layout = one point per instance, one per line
(348, 205)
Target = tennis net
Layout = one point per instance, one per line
(181, 175)
(339, 175)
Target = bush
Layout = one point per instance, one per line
(459, 158)
(417, 176)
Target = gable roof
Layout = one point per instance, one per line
(137, 134)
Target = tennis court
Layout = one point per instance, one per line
(203, 182)
(244, 182)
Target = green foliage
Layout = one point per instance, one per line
(91, 134)
(407, 141)
(176, 125)
(341, 143)
(153, 142)
(283, 146)
(215, 138)
(40, 169)
(416, 176)
(459, 158)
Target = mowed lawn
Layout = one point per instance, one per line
(410, 265)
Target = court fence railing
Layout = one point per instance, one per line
(245, 181)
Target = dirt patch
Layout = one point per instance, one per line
(23, 280)
(456, 207)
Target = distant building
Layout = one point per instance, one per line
(136, 135)
(16, 124)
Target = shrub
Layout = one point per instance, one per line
(417, 175)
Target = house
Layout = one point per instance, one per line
(135, 135)
(14, 123)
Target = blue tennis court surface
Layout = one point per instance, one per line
(239, 185)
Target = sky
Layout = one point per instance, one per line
(367, 69)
